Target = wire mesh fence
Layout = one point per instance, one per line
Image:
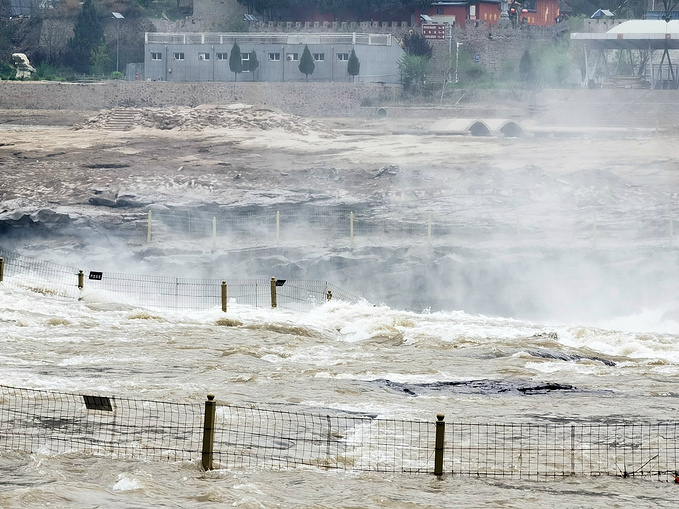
(164, 292)
(256, 438)
(535, 451)
(39, 276)
(461, 225)
(56, 422)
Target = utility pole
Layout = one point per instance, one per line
(117, 17)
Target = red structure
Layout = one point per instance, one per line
(462, 12)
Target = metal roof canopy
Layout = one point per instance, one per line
(635, 34)
(642, 35)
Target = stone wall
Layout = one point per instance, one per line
(568, 107)
(309, 99)
(495, 47)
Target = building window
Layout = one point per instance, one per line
(222, 56)
(203, 56)
(292, 57)
(319, 57)
(178, 55)
(440, 10)
(156, 56)
(274, 57)
(245, 60)
(342, 56)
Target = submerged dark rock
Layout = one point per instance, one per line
(546, 354)
(475, 387)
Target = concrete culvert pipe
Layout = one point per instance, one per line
(512, 130)
(479, 129)
(381, 112)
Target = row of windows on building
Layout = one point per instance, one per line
(273, 57)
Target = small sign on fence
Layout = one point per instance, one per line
(280, 282)
(96, 275)
(98, 403)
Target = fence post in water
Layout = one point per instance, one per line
(214, 234)
(670, 228)
(209, 431)
(351, 228)
(148, 228)
(224, 296)
(438, 451)
(278, 227)
(2, 269)
(572, 450)
(81, 280)
(273, 292)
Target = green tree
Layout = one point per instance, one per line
(353, 66)
(414, 70)
(88, 32)
(416, 44)
(306, 63)
(99, 58)
(527, 72)
(235, 61)
(253, 63)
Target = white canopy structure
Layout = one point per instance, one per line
(645, 36)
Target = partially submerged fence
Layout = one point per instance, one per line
(225, 436)
(166, 292)
(463, 225)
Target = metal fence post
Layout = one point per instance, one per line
(224, 296)
(209, 431)
(2, 269)
(438, 452)
(273, 292)
(81, 280)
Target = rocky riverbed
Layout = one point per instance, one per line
(543, 228)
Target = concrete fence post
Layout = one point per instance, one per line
(278, 227)
(273, 293)
(438, 451)
(209, 431)
(572, 450)
(148, 228)
(214, 234)
(224, 296)
(81, 280)
(2, 269)
(351, 229)
(670, 231)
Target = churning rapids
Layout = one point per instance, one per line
(595, 336)
(355, 357)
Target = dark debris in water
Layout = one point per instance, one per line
(475, 387)
(546, 354)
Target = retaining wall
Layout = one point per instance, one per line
(309, 99)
